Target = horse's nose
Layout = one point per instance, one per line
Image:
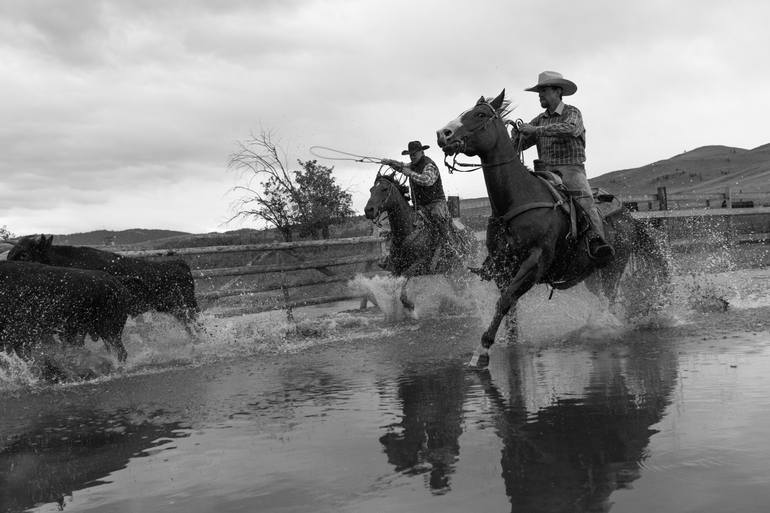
(369, 211)
(442, 136)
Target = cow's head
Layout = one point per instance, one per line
(32, 249)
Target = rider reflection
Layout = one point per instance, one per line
(574, 424)
(426, 439)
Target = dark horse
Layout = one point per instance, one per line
(415, 251)
(530, 236)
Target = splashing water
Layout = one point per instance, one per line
(384, 292)
(156, 342)
(15, 372)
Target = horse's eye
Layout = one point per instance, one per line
(480, 115)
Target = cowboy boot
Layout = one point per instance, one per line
(598, 248)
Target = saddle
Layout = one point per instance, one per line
(607, 204)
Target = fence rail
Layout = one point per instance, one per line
(664, 200)
(254, 270)
(322, 267)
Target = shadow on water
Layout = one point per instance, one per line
(574, 422)
(56, 454)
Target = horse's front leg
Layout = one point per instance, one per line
(528, 275)
(412, 270)
(408, 304)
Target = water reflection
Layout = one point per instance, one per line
(58, 454)
(574, 423)
(426, 439)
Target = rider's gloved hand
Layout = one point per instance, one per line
(392, 163)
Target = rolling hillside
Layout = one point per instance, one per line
(705, 169)
(100, 237)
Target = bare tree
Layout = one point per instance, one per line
(275, 195)
(308, 200)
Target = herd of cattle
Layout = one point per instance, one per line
(71, 292)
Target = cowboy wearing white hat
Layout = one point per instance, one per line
(561, 140)
(554, 79)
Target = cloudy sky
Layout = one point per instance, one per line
(122, 113)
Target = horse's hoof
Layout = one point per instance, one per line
(479, 360)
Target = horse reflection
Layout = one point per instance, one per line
(426, 439)
(568, 441)
(571, 454)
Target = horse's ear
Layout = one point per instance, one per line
(481, 100)
(498, 102)
(48, 242)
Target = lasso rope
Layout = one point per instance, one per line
(319, 151)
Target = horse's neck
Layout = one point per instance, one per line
(400, 219)
(509, 183)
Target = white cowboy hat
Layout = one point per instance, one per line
(554, 79)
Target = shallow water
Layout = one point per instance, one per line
(353, 413)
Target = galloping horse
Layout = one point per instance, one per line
(414, 251)
(530, 236)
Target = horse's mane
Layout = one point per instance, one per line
(402, 187)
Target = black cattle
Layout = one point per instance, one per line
(38, 301)
(168, 286)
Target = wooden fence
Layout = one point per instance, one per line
(232, 280)
(663, 200)
(696, 224)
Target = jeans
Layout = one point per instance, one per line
(574, 178)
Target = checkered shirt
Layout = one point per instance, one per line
(560, 136)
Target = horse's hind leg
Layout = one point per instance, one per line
(527, 276)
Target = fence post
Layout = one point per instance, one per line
(729, 197)
(662, 199)
(453, 202)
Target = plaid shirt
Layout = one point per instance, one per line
(560, 136)
(427, 178)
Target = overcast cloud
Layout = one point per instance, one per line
(122, 114)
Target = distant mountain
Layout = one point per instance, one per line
(702, 170)
(109, 237)
(139, 238)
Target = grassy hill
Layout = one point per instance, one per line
(169, 239)
(702, 170)
(122, 237)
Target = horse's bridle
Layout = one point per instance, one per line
(463, 142)
(378, 218)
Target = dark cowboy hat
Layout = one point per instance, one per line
(413, 147)
(554, 79)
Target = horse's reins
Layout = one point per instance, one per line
(382, 215)
(455, 166)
